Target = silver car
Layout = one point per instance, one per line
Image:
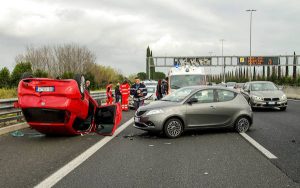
(195, 107)
(264, 94)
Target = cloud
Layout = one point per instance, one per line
(118, 32)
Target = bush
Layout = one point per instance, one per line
(4, 78)
(18, 71)
(8, 93)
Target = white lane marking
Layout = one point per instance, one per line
(65, 170)
(258, 146)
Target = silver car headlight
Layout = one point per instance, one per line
(283, 97)
(156, 111)
(257, 98)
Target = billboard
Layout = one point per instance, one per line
(199, 61)
(258, 61)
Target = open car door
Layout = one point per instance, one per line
(107, 119)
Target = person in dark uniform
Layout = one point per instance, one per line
(117, 93)
(139, 91)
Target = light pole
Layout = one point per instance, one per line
(222, 40)
(250, 60)
(210, 73)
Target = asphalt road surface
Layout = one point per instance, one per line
(204, 158)
(25, 161)
(279, 132)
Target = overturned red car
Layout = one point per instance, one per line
(65, 107)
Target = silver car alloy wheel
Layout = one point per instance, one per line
(242, 125)
(174, 128)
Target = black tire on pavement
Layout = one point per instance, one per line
(27, 75)
(79, 78)
(173, 128)
(242, 124)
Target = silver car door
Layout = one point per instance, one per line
(226, 107)
(201, 113)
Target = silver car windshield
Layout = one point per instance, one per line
(150, 89)
(178, 81)
(178, 95)
(263, 87)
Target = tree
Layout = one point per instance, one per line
(4, 78)
(56, 60)
(279, 72)
(18, 71)
(159, 75)
(264, 73)
(149, 61)
(142, 75)
(67, 75)
(294, 67)
(268, 73)
(40, 74)
(131, 78)
(89, 76)
(254, 74)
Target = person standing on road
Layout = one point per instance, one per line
(158, 90)
(139, 91)
(109, 93)
(117, 93)
(87, 85)
(125, 91)
(164, 87)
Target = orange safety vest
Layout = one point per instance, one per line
(125, 91)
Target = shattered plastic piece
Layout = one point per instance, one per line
(17, 134)
(206, 173)
(127, 136)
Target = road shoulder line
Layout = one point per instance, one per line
(258, 146)
(14, 127)
(65, 170)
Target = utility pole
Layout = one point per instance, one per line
(250, 60)
(222, 40)
(210, 54)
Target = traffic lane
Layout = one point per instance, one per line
(279, 132)
(26, 161)
(207, 158)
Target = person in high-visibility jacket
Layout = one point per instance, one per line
(125, 92)
(109, 94)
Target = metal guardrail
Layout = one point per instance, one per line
(8, 113)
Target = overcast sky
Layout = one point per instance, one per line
(119, 31)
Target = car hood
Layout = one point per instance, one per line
(268, 94)
(158, 105)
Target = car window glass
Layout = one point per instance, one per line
(263, 87)
(178, 95)
(204, 96)
(224, 95)
(245, 86)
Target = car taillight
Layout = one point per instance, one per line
(67, 116)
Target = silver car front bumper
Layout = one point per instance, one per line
(268, 104)
(150, 123)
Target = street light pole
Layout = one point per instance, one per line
(250, 60)
(222, 40)
(210, 73)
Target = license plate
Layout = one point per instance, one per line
(44, 89)
(271, 103)
(137, 119)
